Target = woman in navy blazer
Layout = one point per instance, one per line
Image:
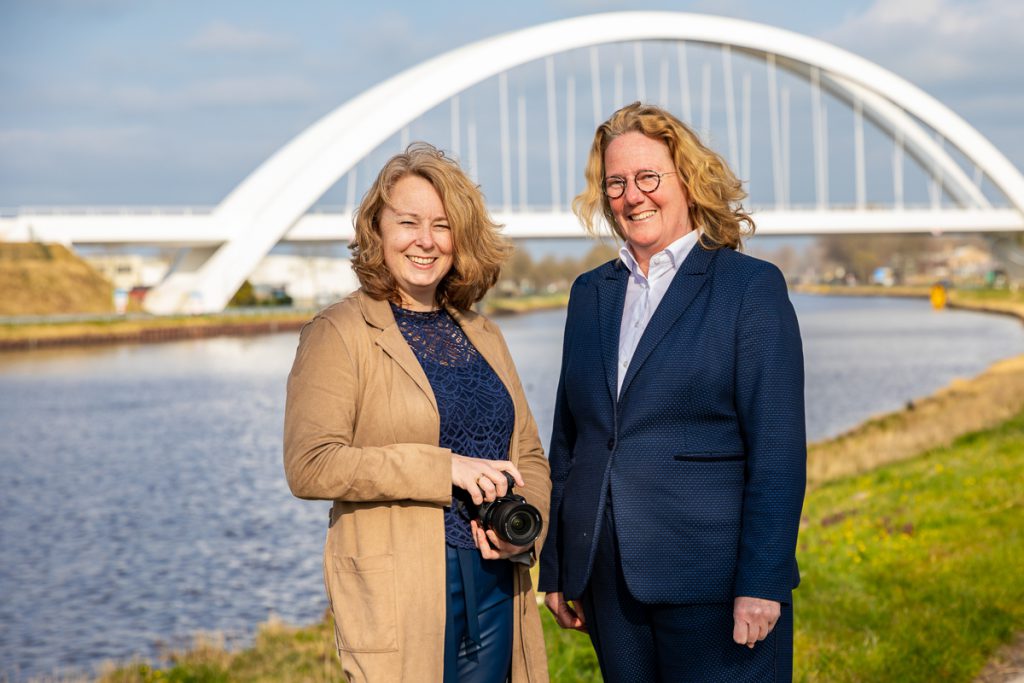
(678, 451)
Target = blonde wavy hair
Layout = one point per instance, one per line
(479, 250)
(714, 191)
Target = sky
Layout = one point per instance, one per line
(153, 102)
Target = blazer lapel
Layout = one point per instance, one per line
(378, 314)
(687, 282)
(611, 294)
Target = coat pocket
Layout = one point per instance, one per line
(363, 600)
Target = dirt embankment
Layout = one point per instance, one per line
(48, 279)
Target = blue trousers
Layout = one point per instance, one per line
(478, 630)
(635, 641)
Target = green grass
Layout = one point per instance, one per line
(570, 655)
(990, 294)
(279, 653)
(910, 573)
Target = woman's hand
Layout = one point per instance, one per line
(491, 546)
(483, 479)
(753, 619)
(567, 615)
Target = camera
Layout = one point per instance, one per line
(511, 517)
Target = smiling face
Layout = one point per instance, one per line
(417, 241)
(648, 221)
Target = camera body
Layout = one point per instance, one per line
(511, 517)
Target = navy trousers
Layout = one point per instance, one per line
(478, 630)
(668, 643)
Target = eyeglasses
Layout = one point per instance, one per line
(646, 181)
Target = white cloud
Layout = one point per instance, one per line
(222, 37)
(241, 91)
(248, 91)
(119, 141)
(587, 6)
(59, 152)
(937, 42)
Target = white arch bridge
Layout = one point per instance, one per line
(938, 174)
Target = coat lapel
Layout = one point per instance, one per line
(378, 314)
(611, 293)
(687, 282)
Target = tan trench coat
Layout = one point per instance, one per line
(361, 429)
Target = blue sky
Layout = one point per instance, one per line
(160, 102)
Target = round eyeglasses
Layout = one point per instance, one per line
(645, 181)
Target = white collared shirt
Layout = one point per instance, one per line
(644, 293)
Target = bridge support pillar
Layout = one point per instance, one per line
(178, 293)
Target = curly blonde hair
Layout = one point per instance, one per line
(714, 191)
(479, 250)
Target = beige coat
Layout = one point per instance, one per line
(361, 429)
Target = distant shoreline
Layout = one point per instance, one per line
(127, 330)
(56, 333)
(1000, 302)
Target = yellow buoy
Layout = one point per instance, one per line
(938, 296)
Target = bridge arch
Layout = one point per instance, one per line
(264, 206)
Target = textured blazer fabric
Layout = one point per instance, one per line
(361, 429)
(703, 452)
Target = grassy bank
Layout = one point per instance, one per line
(990, 300)
(525, 304)
(963, 406)
(115, 329)
(911, 573)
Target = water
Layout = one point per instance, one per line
(144, 501)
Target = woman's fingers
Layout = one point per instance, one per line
(491, 546)
(565, 615)
(488, 487)
(505, 549)
(486, 550)
(507, 466)
(467, 474)
(753, 619)
(484, 480)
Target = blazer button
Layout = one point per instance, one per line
(611, 444)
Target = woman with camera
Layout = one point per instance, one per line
(404, 409)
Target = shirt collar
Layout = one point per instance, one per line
(677, 252)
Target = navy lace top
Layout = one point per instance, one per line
(476, 410)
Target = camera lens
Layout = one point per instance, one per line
(519, 523)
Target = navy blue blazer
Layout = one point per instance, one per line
(704, 451)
